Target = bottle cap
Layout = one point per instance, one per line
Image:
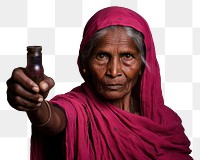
(34, 48)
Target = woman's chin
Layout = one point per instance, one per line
(112, 95)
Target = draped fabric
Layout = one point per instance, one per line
(98, 130)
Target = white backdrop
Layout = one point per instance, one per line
(58, 25)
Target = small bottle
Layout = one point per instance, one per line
(34, 68)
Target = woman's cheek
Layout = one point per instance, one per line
(98, 71)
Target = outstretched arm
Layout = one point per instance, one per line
(23, 94)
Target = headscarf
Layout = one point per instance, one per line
(150, 89)
(151, 99)
(99, 130)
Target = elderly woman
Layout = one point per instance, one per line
(118, 112)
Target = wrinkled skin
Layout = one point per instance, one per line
(114, 66)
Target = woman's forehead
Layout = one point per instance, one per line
(113, 38)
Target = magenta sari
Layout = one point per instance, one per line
(97, 130)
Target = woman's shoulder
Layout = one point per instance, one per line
(170, 117)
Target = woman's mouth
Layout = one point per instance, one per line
(113, 86)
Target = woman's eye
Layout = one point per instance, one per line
(127, 56)
(102, 56)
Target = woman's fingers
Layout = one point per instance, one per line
(23, 93)
(18, 90)
(20, 103)
(20, 77)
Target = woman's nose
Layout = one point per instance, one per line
(114, 68)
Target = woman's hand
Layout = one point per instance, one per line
(24, 94)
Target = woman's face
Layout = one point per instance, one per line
(115, 65)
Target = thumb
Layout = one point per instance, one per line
(46, 84)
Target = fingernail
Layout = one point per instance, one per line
(35, 89)
(44, 86)
(40, 99)
(39, 104)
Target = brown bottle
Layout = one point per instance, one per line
(34, 67)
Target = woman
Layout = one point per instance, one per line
(118, 113)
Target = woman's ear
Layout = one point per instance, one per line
(84, 70)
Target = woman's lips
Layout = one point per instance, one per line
(113, 86)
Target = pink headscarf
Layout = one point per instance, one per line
(150, 92)
(152, 103)
(98, 130)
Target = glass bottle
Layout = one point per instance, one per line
(34, 68)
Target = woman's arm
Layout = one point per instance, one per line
(23, 94)
(48, 118)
